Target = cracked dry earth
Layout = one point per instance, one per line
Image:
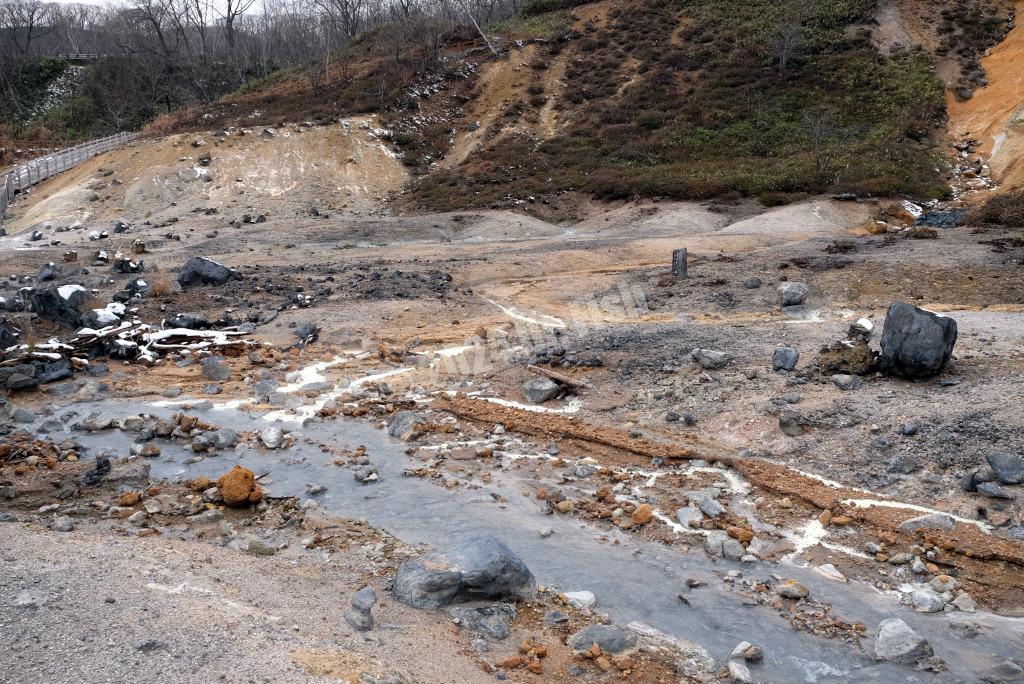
(613, 486)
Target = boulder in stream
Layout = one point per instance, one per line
(896, 641)
(478, 568)
(406, 425)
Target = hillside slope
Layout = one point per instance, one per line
(994, 116)
(681, 99)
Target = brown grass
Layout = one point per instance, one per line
(160, 285)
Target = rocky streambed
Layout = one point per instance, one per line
(704, 604)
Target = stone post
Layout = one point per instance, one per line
(679, 262)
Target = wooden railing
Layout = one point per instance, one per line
(82, 56)
(41, 168)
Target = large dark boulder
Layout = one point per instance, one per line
(10, 334)
(406, 425)
(479, 568)
(64, 305)
(203, 271)
(915, 343)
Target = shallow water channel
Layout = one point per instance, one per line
(634, 580)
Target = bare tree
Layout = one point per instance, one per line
(827, 137)
(24, 21)
(787, 41)
(233, 9)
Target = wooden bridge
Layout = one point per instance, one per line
(41, 168)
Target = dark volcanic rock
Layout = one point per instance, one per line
(1008, 468)
(203, 271)
(64, 305)
(406, 425)
(785, 358)
(479, 568)
(10, 334)
(915, 343)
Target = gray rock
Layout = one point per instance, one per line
(63, 524)
(903, 463)
(739, 672)
(995, 491)
(785, 358)
(212, 388)
(306, 330)
(539, 390)
(710, 507)
(210, 516)
(965, 603)
(791, 424)
(203, 271)
(792, 294)
(915, 343)
(265, 387)
(583, 470)
(490, 621)
(215, 368)
(689, 516)
(1008, 468)
(733, 549)
(897, 642)
(710, 359)
(367, 474)
(752, 283)
(846, 382)
(406, 425)
(223, 438)
(478, 568)
(713, 543)
(927, 601)
(364, 599)
(252, 544)
(272, 438)
(19, 381)
(609, 638)
(360, 621)
(20, 415)
(932, 521)
(555, 617)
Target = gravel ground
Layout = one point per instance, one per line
(91, 607)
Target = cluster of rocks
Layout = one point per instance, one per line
(1004, 469)
(556, 356)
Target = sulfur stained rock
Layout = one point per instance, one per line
(643, 514)
(238, 487)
